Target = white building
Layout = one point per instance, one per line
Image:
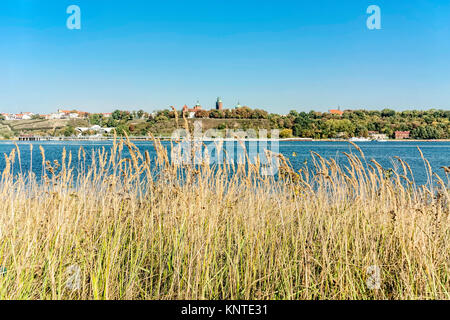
(95, 128)
(378, 136)
(56, 115)
(18, 116)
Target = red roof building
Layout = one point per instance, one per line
(400, 135)
(336, 112)
(196, 108)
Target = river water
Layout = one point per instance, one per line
(298, 152)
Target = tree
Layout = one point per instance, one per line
(222, 126)
(294, 114)
(116, 115)
(96, 119)
(259, 114)
(361, 131)
(387, 113)
(202, 114)
(111, 123)
(286, 133)
(242, 113)
(69, 131)
(122, 115)
(297, 130)
(427, 132)
(122, 129)
(216, 114)
(228, 114)
(36, 117)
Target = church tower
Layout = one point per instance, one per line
(219, 104)
(197, 107)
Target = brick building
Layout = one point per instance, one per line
(219, 104)
(336, 112)
(400, 135)
(196, 108)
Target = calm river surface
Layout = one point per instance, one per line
(437, 153)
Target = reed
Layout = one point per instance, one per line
(127, 227)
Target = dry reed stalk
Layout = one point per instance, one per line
(222, 232)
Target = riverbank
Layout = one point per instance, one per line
(147, 138)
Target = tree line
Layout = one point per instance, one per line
(429, 124)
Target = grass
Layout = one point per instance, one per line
(129, 228)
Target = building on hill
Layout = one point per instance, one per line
(21, 116)
(336, 112)
(18, 116)
(66, 114)
(191, 112)
(57, 115)
(219, 104)
(82, 114)
(400, 135)
(27, 115)
(196, 108)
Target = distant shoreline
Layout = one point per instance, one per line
(231, 139)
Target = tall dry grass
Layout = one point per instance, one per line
(133, 229)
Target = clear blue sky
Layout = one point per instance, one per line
(276, 55)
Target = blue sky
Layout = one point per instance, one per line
(276, 55)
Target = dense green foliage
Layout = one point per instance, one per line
(431, 124)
